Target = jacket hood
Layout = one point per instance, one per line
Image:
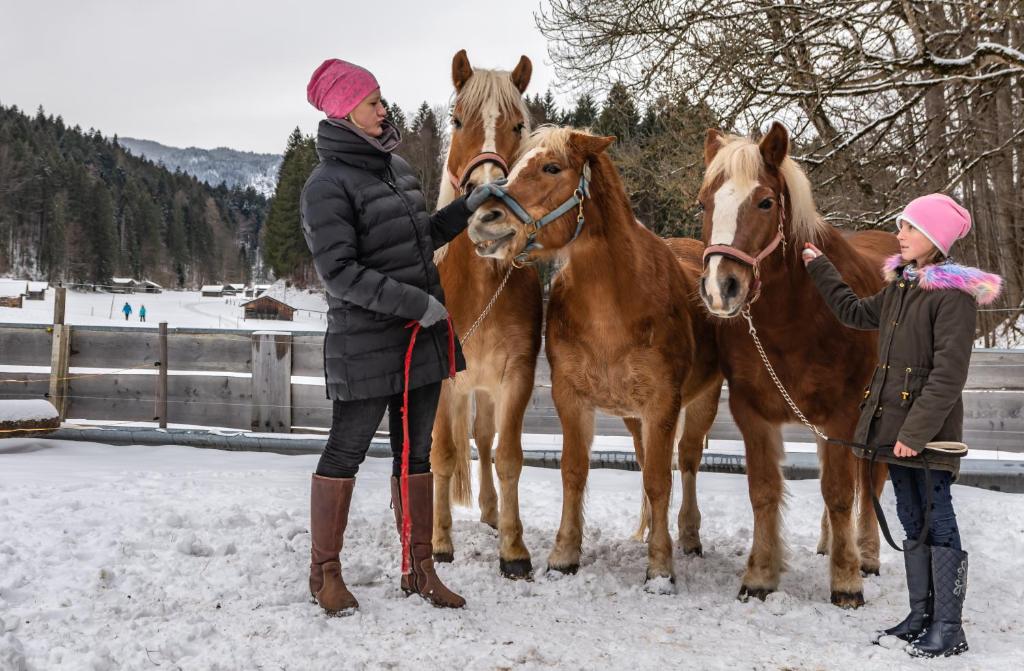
(984, 287)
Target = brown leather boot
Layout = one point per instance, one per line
(328, 513)
(422, 580)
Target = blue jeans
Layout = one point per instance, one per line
(909, 485)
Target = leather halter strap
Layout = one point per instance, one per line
(483, 157)
(754, 261)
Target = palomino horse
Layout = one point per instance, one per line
(489, 121)
(758, 213)
(622, 334)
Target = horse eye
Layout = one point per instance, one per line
(552, 169)
(765, 204)
(518, 129)
(456, 123)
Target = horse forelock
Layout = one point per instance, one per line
(739, 164)
(491, 93)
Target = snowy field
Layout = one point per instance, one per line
(171, 557)
(180, 309)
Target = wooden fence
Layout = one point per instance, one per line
(273, 382)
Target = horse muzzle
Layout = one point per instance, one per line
(490, 231)
(725, 287)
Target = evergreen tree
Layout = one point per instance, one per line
(619, 116)
(284, 247)
(585, 114)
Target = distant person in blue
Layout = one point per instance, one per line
(142, 313)
(127, 310)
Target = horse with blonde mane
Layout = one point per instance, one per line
(758, 213)
(489, 121)
(624, 334)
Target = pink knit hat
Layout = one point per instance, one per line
(337, 86)
(940, 218)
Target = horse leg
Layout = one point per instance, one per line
(658, 433)
(699, 416)
(764, 450)
(839, 474)
(635, 427)
(513, 556)
(483, 433)
(867, 523)
(825, 535)
(442, 464)
(577, 418)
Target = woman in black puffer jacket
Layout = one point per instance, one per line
(366, 223)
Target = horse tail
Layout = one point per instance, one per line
(461, 483)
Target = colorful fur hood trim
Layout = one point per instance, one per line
(984, 287)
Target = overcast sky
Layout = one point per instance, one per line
(229, 73)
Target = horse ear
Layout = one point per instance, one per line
(591, 145)
(712, 142)
(461, 69)
(521, 74)
(775, 145)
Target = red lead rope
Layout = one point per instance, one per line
(404, 482)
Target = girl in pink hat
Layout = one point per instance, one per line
(926, 321)
(365, 220)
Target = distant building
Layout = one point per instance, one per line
(268, 307)
(37, 291)
(12, 292)
(212, 290)
(122, 285)
(149, 287)
(234, 289)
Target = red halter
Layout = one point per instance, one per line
(476, 162)
(753, 261)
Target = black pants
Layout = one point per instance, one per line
(908, 483)
(355, 422)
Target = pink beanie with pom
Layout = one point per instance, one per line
(940, 218)
(337, 86)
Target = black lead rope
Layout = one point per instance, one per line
(880, 514)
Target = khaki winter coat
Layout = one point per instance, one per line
(926, 332)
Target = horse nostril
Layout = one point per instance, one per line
(468, 189)
(731, 287)
(490, 215)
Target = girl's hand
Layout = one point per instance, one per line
(902, 450)
(810, 253)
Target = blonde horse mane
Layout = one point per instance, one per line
(739, 159)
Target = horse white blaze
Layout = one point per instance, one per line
(522, 163)
(728, 200)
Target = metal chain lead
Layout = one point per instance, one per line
(494, 299)
(775, 378)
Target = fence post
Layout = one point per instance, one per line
(60, 350)
(161, 381)
(271, 382)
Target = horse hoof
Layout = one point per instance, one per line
(516, 569)
(848, 599)
(696, 550)
(444, 557)
(760, 593)
(869, 569)
(568, 569)
(659, 584)
(490, 520)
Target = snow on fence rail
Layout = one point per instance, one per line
(113, 375)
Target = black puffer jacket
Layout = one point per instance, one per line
(366, 223)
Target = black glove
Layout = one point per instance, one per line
(435, 312)
(485, 191)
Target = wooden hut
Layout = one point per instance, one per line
(149, 287)
(36, 291)
(268, 307)
(122, 285)
(212, 290)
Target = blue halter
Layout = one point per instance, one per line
(581, 193)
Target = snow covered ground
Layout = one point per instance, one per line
(180, 309)
(171, 557)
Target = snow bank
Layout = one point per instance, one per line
(128, 557)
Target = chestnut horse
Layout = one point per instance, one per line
(489, 120)
(621, 334)
(758, 213)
